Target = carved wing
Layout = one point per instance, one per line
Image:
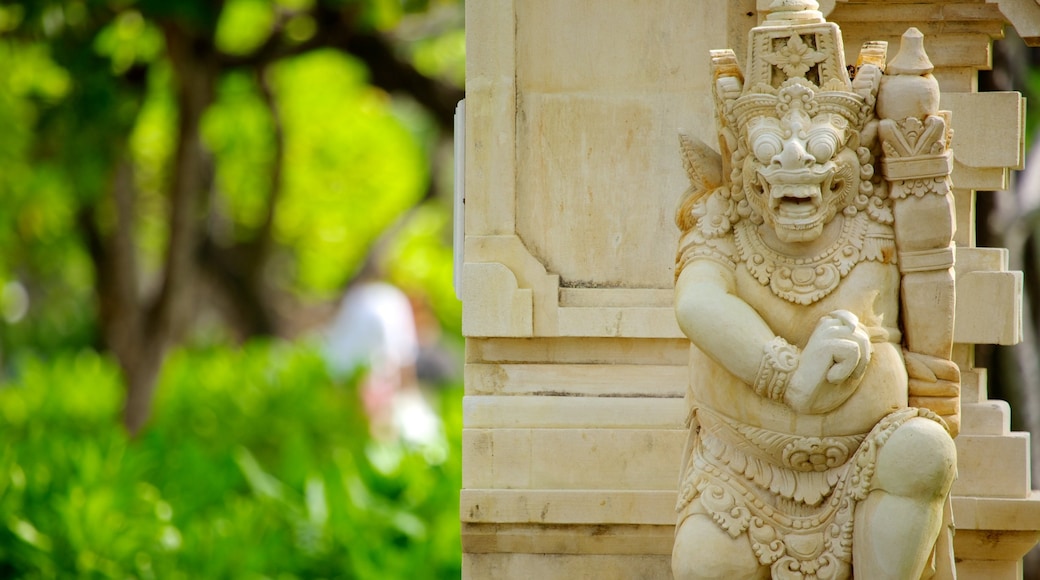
(704, 169)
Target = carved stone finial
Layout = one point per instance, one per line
(908, 88)
(793, 5)
(911, 59)
(787, 12)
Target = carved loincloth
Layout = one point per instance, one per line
(795, 497)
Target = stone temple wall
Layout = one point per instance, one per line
(575, 366)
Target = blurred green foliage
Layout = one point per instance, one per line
(355, 158)
(256, 466)
(255, 463)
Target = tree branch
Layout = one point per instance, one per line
(263, 239)
(234, 273)
(393, 74)
(331, 26)
(115, 261)
(195, 80)
(337, 29)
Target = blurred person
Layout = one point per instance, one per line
(373, 336)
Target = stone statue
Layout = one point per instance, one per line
(814, 279)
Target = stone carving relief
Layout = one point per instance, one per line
(814, 280)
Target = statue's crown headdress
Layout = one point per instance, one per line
(797, 59)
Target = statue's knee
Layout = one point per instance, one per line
(702, 551)
(919, 460)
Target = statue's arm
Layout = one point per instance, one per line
(814, 380)
(719, 322)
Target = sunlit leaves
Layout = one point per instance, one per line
(91, 84)
(297, 5)
(42, 263)
(10, 17)
(240, 132)
(152, 143)
(300, 27)
(351, 167)
(420, 261)
(30, 72)
(244, 25)
(442, 56)
(129, 40)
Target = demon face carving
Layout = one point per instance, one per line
(802, 166)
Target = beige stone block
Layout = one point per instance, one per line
(992, 513)
(489, 412)
(988, 128)
(622, 351)
(617, 297)
(568, 506)
(490, 116)
(963, 355)
(970, 49)
(529, 272)
(628, 322)
(568, 539)
(495, 305)
(491, 52)
(958, 50)
(576, 379)
(1024, 15)
(973, 386)
(847, 13)
(505, 461)
(978, 13)
(989, 570)
(964, 210)
(577, 219)
(991, 466)
(982, 179)
(623, 47)
(499, 458)
(987, 418)
(565, 567)
(999, 545)
(490, 156)
(881, 25)
(510, 250)
(981, 260)
(633, 313)
(957, 79)
(626, 459)
(989, 308)
(477, 458)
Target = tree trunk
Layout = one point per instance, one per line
(166, 318)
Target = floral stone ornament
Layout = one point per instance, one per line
(814, 280)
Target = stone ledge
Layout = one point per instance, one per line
(628, 507)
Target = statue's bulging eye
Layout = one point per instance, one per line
(767, 146)
(822, 145)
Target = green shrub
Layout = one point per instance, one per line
(255, 466)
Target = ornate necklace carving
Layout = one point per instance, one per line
(806, 280)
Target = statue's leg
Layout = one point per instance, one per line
(702, 551)
(898, 523)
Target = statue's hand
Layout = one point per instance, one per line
(831, 365)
